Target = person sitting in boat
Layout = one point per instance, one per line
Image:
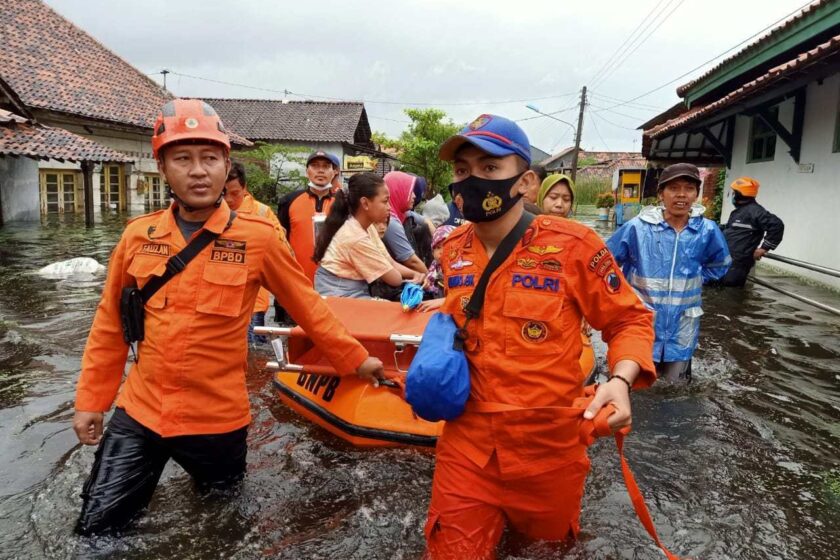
(408, 238)
(348, 250)
(667, 253)
(556, 195)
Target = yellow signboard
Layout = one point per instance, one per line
(359, 163)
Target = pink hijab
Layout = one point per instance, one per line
(400, 186)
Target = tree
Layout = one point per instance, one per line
(418, 147)
(274, 170)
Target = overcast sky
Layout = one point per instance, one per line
(466, 57)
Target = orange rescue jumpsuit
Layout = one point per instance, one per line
(296, 212)
(525, 463)
(190, 375)
(251, 205)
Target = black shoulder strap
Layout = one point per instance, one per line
(504, 250)
(177, 263)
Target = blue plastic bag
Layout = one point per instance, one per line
(438, 382)
(411, 296)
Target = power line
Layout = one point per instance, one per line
(598, 132)
(541, 115)
(612, 123)
(634, 117)
(643, 40)
(610, 59)
(641, 106)
(372, 101)
(724, 53)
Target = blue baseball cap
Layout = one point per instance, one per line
(493, 134)
(332, 158)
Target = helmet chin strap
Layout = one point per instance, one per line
(188, 208)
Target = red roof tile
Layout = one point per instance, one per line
(52, 64)
(303, 121)
(752, 47)
(773, 76)
(19, 137)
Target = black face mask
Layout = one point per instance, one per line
(486, 200)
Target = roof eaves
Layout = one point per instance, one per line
(763, 44)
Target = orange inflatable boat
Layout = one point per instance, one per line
(349, 407)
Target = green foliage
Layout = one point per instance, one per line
(720, 187)
(586, 161)
(605, 200)
(268, 180)
(650, 201)
(417, 147)
(588, 189)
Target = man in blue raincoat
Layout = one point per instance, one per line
(667, 253)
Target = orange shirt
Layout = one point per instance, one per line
(190, 375)
(356, 253)
(296, 212)
(251, 205)
(524, 348)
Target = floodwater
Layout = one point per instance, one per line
(741, 464)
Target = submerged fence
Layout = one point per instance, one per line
(802, 264)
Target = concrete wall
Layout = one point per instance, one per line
(808, 202)
(19, 195)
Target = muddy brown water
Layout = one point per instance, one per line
(741, 464)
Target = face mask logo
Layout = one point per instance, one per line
(491, 203)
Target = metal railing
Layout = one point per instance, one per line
(802, 264)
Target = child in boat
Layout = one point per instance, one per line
(349, 252)
(434, 279)
(556, 196)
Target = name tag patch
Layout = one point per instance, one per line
(461, 281)
(159, 249)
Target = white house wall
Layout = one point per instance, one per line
(19, 189)
(808, 203)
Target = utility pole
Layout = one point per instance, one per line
(577, 133)
(164, 72)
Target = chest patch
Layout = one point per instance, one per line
(536, 282)
(228, 251)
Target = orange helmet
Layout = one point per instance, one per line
(747, 186)
(187, 119)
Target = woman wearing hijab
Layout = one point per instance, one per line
(401, 237)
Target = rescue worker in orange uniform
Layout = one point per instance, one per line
(243, 202)
(514, 455)
(185, 396)
(303, 212)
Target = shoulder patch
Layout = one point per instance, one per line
(562, 225)
(155, 214)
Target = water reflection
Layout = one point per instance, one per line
(741, 464)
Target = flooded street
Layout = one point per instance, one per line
(742, 464)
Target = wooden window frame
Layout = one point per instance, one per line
(61, 176)
(104, 186)
(752, 137)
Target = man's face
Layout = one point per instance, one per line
(195, 172)
(234, 193)
(320, 171)
(472, 161)
(678, 196)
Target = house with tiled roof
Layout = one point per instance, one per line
(58, 77)
(591, 163)
(771, 111)
(339, 127)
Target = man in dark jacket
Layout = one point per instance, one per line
(750, 232)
